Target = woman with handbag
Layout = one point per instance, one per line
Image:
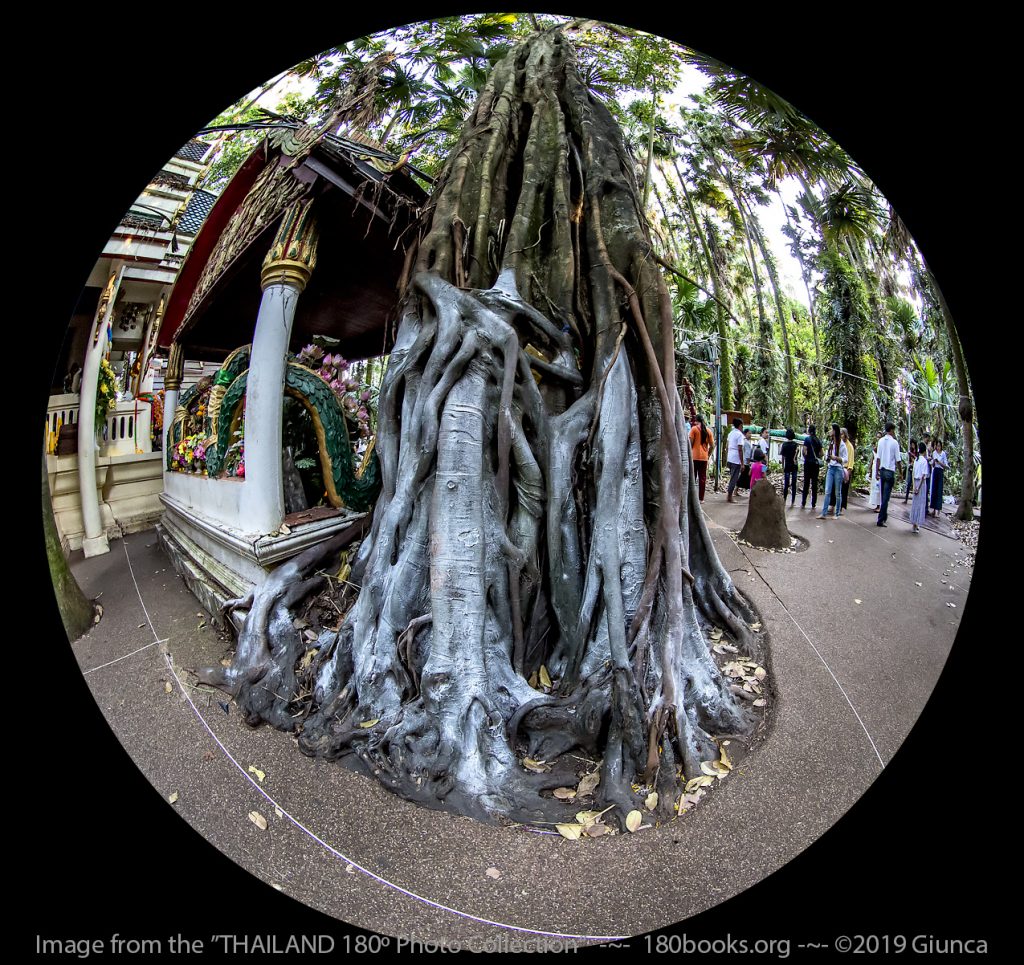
(836, 462)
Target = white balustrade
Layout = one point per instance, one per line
(62, 410)
(125, 431)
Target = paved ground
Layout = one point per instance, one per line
(860, 628)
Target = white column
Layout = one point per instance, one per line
(286, 270)
(172, 387)
(263, 498)
(170, 404)
(94, 542)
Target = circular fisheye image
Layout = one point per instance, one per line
(480, 468)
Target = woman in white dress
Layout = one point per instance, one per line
(875, 499)
(919, 507)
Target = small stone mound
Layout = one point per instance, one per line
(766, 518)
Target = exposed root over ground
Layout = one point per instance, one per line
(538, 519)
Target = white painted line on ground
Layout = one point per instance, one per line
(384, 881)
(125, 657)
(298, 824)
(138, 592)
(817, 652)
(833, 676)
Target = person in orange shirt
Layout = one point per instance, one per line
(701, 445)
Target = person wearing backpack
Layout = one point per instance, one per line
(788, 453)
(812, 460)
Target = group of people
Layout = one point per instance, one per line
(747, 460)
(927, 463)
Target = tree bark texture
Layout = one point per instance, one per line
(537, 506)
(76, 612)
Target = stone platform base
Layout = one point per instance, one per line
(219, 564)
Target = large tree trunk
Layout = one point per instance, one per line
(522, 521)
(76, 612)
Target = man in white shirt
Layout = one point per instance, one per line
(888, 457)
(734, 456)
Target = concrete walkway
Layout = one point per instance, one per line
(860, 626)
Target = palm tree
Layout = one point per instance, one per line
(898, 240)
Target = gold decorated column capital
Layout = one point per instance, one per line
(175, 368)
(292, 256)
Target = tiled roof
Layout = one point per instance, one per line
(195, 150)
(195, 213)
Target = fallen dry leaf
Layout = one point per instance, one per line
(596, 829)
(168, 688)
(760, 702)
(564, 793)
(588, 783)
(258, 819)
(687, 801)
(538, 767)
(858, 602)
(633, 820)
(545, 677)
(570, 831)
(492, 873)
(724, 759)
(651, 801)
(173, 798)
(279, 812)
(370, 723)
(713, 769)
(586, 818)
(260, 775)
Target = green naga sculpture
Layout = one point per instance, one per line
(347, 485)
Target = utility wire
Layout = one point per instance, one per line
(850, 375)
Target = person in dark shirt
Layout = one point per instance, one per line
(812, 460)
(788, 451)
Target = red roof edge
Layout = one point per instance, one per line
(216, 221)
